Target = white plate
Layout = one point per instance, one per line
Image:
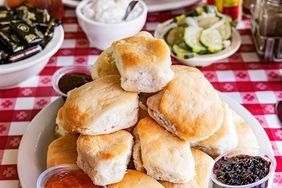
(40, 132)
(160, 5)
(71, 3)
(202, 60)
(153, 5)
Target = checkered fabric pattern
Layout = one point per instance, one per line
(244, 77)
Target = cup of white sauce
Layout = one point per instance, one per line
(101, 20)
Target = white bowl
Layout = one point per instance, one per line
(71, 3)
(101, 35)
(14, 73)
(202, 60)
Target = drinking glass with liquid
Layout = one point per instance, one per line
(54, 7)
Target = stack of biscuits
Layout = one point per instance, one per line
(144, 122)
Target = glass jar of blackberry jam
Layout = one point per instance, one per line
(244, 168)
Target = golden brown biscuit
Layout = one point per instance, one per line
(162, 155)
(62, 151)
(143, 63)
(105, 157)
(189, 106)
(106, 62)
(136, 179)
(105, 65)
(99, 107)
(246, 136)
(225, 138)
(203, 167)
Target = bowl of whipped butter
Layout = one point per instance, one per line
(101, 20)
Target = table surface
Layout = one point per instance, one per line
(244, 77)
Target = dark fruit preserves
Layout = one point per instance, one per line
(241, 169)
(72, 80)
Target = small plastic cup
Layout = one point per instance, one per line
(86, 69)
(53, 171)
(263, 183)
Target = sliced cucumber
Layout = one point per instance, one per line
(205, 15)
(208, 22)
(193, 13)
(192, 39)
(181, 52)
(175, 36)
(212, 40)
(192, 22)
(225, 31)
(201, 31)
(217, 24)
(179, 20)
(226, 17)
(210, 9)
(198, 11)
(182, 45)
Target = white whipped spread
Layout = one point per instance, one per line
(110, 11)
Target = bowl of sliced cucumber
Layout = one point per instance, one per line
(200, 37)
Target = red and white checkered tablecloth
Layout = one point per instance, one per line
(244, 77)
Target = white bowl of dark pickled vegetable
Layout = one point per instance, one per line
(200, 37)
